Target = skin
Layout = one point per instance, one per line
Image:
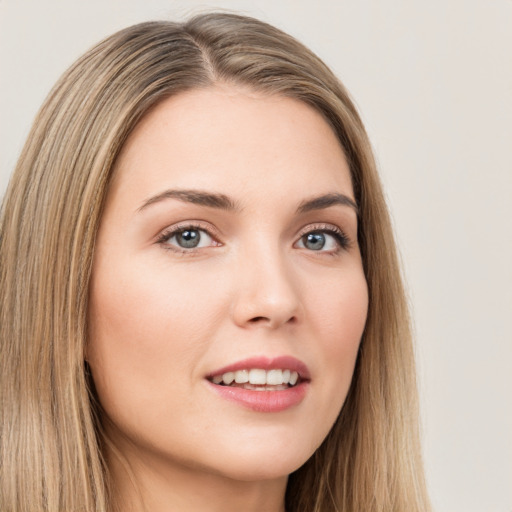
(162, 317)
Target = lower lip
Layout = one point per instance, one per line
(263, 401)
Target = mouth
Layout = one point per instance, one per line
(258, 379)
(263, 384)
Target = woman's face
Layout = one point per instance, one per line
(227, 250)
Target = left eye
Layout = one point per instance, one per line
(189, 238)
(319, 241)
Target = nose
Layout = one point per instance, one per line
(267, 292)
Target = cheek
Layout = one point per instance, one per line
(144, 332)
(141, 304)
(339, 323)
(339, 309)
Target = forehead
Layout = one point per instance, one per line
(232, 140)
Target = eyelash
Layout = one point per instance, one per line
(163, 239)
(342, 240)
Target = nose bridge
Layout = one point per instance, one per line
(266, 291)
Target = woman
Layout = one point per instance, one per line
(201, 302)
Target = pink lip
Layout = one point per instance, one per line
(265, 401)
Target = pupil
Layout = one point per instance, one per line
(315, 241)
(188, 238)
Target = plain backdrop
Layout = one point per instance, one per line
(433, 82)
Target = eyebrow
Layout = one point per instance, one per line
(223, 202)
(200, 197)
(325, 201)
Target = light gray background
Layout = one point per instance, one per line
(433, 81)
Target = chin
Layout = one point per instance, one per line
(260, 470)
(259, 460)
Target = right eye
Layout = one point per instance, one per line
(187, 238)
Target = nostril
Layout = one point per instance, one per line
(258, 319)
(264, 319)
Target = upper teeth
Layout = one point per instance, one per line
(257, 376)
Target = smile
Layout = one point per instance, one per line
(258, 379)
(262, 384)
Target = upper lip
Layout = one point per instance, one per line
(266, 363)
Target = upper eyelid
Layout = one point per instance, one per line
(320, 226)
(207, 227)
(194, 224)
(325, 226)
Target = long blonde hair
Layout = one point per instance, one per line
(51, 440)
